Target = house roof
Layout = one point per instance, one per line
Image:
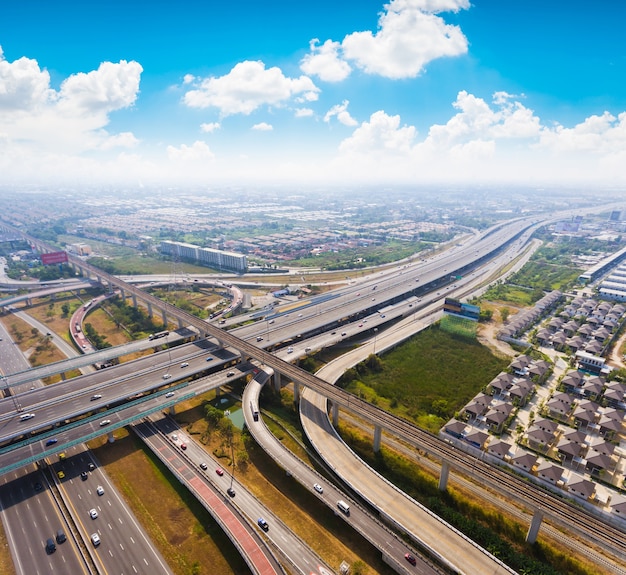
(525, 460)
(499, 447)
(599, 460)
(550, 471)
(582, 487)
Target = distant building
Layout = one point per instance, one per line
(213, 258)
(80, 249)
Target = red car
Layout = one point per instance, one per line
(410, 559)
(183, 446)
(219, 471)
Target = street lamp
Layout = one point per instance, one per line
(375, 335)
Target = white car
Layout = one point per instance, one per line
(95, 539)
(26, 416)
(290, 350)
(105, 422)
(184, 364)
(93, 513)
(100, 490)
(167, 375)
(318, 488)
(169, 394)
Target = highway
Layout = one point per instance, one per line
(290, 372)
(370, 527)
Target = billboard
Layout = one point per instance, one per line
(54, 258)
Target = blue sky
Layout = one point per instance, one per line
(409, 91)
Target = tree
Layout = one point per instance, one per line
(213, 415)
(65, 308)
(504, 314)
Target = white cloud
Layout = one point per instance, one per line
(248, 86)
(70, 120)
(263, 127)
(605, 134)
(188, 78)
(122, 140)
(303, 112)
(198, 152)
(382, 134)
(409, 36)
(342, 114)
(210, 127)
(110, 87)
(23, 85)
(324, 62)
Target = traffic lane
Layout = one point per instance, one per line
(30, 517)
(105, 383)
(290, 544)
(124, 543)
(245, 535)
(370, 528)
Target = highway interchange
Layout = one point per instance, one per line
(362, 301)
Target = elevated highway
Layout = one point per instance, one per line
(447, 268)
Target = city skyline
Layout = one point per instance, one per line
(410, 92)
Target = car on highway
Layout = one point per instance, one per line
(318, 488)
(91, 466)
(51, 441)
(204, 466)
(259, 338)
(170, 394)
(290, 350)
(95, 539)
(209, 359)
(93, 513)
(96, 396)
(262, 524)
(343, 334)
(100, 490)
(183, 446)
(105, 422)
(410, 559)
(219, 471)
(184, 364)
(231, 492)
(38, 486)
(230, 374)
(167, 375)
(83, 475)
(26, 416)
(60, 474)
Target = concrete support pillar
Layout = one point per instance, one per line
(134, 300)
(277, 381)
(535, 524)
(164, 318)
(180, 323)
(149, 309)
(172, 410)
(218, 391)
(296, 392)
(335, 412)
(443, 478)
(110, 437)
(377, 437)
(123, 292)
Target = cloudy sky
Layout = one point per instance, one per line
(411, 91)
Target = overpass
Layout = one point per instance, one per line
(489, 245)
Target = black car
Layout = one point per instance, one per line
(231, 492)
(83, 475)
(263, 524)
(91, 467)
(38, 486)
